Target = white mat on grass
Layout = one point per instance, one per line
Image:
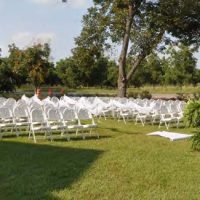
(171, 135)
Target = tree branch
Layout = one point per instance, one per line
(135, 66)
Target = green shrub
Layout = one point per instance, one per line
(192, 119)
(196, 141)
(196, 95)
(192, 113)
(182, 96)
(145, 94)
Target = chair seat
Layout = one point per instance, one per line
(166, 119)
(6, 125)
(89, 126)
(54, 127)
(40, 128)
(74, 126)
(125, 114)
(22, 119)
(22, 123)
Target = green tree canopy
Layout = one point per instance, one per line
(31, 64)
(141, 25)
(180, 67)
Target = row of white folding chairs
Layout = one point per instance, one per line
(34, 117)
(65, 120)
(90, 102)
(115, 110)
(13, 118)
(65, 114)
(175, 110)
(161, 116)
(163, 113)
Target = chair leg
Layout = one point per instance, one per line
(97, 135)
(124, 120)
(136, 119)
(90, 132)
(77, 132)
(83, 135)
(143, 122)
(167, 126)
(68, 137)
(62, 132)
(49, 135)
(16, 131)
(29, 134)
(1, 134)
(34, 138)
(67, 133)
(45, 134)
(160, 124)
(177, 124)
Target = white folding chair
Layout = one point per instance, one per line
(86, 120)
(166, 117)
(6, 120)
(55, 122)
(21, 117)
(39, 124)
(70, 120)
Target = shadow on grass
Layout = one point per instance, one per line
(79, 138)
(29, 171)
(121, 131)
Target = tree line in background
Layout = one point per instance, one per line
(89, 67)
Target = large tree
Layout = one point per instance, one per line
(31, 64)
(140, 25)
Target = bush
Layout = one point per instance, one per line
(196, 141)
(196, 95)
(182, 96)
(145, 95)
(192, 113)
(192, 119)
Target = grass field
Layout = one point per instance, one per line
(113, 91)
(152, 90)
(123, 164)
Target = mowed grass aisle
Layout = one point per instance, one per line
(123, 164)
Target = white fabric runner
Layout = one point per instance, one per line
(171, 135)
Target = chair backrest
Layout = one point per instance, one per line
(69, 114)
(164, 110)
(84, 114)
(174, 108)
(53, 115)
(5, 113)
(21, 102)
(62, 108)
(34, 106)
(47, 107)
(37, 115)
(20, 111)
(10, 103)
(2, 101)
(55, 100)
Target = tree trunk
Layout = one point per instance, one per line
(122, 82)
(122, 87)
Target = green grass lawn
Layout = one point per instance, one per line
(151, 89)
(124, 164)
(29, 90)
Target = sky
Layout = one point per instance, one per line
(25, 22)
